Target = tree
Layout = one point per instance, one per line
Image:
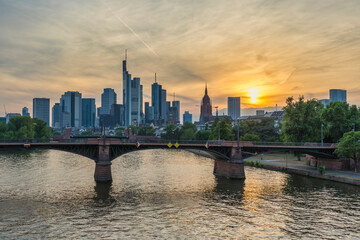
(120, 131)
(172, 132)
(134, 129)
(41, 129)
(202, 135)
(225, 130)
(146, 131)
(339, 118)
(87, 133)
(349, 146)
(266, 129)
(20, 127)
(250, 137)
(302, 120)
(187, 131)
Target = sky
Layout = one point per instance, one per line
(261, 50)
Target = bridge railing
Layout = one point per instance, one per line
(296, 144)
(162, 141)
(42, 140)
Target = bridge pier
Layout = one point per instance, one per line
(103, 165)
(233, 168)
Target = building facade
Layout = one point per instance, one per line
(187, 117)
(117, 115)
(41, 109)
(108, 98)
(25, 112)
(55, 116)
(88, 112)
(338, 95)
(71, 109)
(234, 110)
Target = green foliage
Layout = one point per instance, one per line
(302, 120)
(172, 132)
(307, 163)
(321, 169)
(87, 133)
(225, 130)
(146, 131)
(202, 135)
(267, 129)
(338, 119)
(134, 129)
(20, 127)
(250, 137)
(187, 131)
(349, 146)
(120, 131)
(258, 164)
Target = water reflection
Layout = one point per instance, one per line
(103, 197)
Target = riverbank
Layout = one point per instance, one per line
(284, 163)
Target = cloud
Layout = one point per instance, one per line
(281, 48)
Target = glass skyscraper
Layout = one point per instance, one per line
(41, 109)
(88, 112)
(71, 110)
(234, 107)
(338, 95)
(108, 98)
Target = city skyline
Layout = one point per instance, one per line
(251, 49)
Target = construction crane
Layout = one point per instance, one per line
(5, 110)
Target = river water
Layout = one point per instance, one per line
(166, 194)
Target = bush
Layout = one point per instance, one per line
(307, 163)
(258, 164)
(321, 169)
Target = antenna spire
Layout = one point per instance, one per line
(125, 54)
(155, 77)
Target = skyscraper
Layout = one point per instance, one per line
(156, 90)
(56, 115)
(234, 107)
(71, 110)
(108, 98)
(206, 108)
(132, 97)
(88, 112)
(136, 101)
(187, 117)
(176, 111)
(117, 115)
(25, 112)
(126, 93)
(41, 109)
(338, 95)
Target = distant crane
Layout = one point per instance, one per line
(217, 114)
(5, 110)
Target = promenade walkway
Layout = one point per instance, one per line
(301, 168)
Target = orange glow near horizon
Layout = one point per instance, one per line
(253, 93)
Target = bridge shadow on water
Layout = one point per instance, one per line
(103, 196)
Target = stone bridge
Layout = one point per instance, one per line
(229, 155)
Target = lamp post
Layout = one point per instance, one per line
(237, 135)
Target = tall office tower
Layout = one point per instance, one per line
(88, 112)
(126, 93)
(136, 102)
(147, 112)
(163, 107)
(176, 111)
(25, 112)
(108, 98)
(71, 109)
(338, 95)
(156, 90)
(117, 115)
(234, 107)
(41, 109)
(56, 115)
(187, 117)
(206, 108)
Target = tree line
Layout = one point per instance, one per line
(20, 127)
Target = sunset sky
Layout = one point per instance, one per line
(261, 50)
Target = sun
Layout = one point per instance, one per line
(253, 93)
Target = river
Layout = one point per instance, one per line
(166, 194)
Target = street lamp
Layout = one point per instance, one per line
(237, 135)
